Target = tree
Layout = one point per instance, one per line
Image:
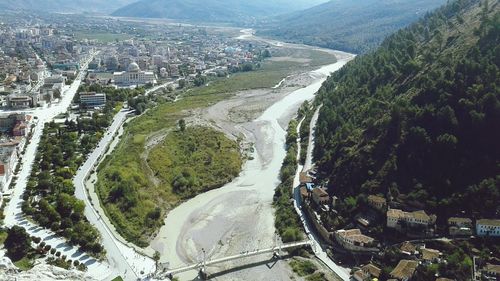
(156, 258)
(182, 125)
(17, 243)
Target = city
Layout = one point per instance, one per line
(231, 147)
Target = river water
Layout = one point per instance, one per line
(239, 216)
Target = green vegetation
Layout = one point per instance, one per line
(354, 26)
(49, 196)
(302, 267)
(24, 263)
(287, 221)
(18, 246)
(418, 118)
(307, 113)
(139, 201)
(317, 276)
(118, 278)
(195, 160)
(17, 243)
(59, 262)
(186, 163)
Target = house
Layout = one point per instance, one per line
(430, 255)
(367, 273)
(491, 270)
(460, 226)
(377, 202)
(354, 240)
(404, 221)
(408, 248)
(404, 270)
(486, 227)
(320, 196)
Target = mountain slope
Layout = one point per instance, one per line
(350, 25)
(212, 10)
(98, 6)
(419, 118)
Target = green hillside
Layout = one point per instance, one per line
(212, 10)
(349, 25)
(419, 119)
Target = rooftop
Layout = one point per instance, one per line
(489, 222)
(405, 269)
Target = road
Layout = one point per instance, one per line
(122, 258)
(13, 212)
(319, 251)
(308, 164)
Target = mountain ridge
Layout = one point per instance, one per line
(349, 25)
(211, 10)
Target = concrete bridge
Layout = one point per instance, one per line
(201, 266)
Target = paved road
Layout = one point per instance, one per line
(123, 259)
(319, 251)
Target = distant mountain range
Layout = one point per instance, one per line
(98, 6)
(213, 10)
(350, 25)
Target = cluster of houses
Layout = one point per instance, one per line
(415, 224)
(14, 129)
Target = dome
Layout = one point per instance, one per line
(133, 67)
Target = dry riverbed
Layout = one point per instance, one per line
(239, 216)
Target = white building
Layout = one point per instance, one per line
(486, 227)
(134, 76)
(92, 99)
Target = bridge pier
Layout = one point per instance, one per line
(203, 274)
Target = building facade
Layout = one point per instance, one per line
(134, 76)
(487, 227)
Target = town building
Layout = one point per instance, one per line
(377, 202)
(354, 240)
(405, 221)
(491, 271)
(92, 99)
(486, 227)
(320, 196)
(460, 226)
(134, 76)
(405, 270)
(430, 255)
(8, 160)
(367, 273)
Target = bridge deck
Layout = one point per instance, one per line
(239, 256)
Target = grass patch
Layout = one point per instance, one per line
(24, 264)
(195, 160)
(303, 267)
(318, 276)
(117, 278)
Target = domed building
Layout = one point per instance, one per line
(134, 76)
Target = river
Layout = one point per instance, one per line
(239, 216)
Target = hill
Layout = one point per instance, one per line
(349, 25)
(97, 6)
(418, 119)
(212, 10)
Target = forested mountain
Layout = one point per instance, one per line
(98, 6)
(419, 119)
(213, 10)
(349, 25)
